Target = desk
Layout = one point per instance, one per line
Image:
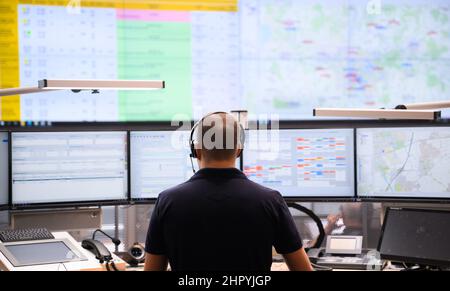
(91, 264)
(275, 267)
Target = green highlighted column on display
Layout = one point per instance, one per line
(155, 50)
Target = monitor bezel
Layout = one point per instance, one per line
(8, 191)
(410, 199)
(409, 260)
(17, 264)
(68, 204)
(324, 199)
(12, 127)
(145, 201)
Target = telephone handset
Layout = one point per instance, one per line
(98, 249)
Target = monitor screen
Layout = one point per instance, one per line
(69, 167)
(404, 162)
(4, 170)
(302, 163)
(159, 160)
(274, 56)
(416, 236)
(42, 253)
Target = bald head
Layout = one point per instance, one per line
(217, 138)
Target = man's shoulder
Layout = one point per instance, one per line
(180, 188)
(244, 187)
(258, 188)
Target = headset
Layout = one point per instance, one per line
(193, 154)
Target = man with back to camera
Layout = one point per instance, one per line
(219, 220)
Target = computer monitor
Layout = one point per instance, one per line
(159, 160)
(416, 236)
(403, 163)
(302, 163)
(69, 168)
(4, 170)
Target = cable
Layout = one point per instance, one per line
(316, 219)
(192, 164)
(113, 265)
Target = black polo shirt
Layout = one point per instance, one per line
(220, 220)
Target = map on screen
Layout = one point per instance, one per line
(404, 162)
(273, 56)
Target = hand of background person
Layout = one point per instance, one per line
(332, 220)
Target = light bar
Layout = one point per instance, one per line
(100, 85)
(427, 105)
(18, 91)
(78, 85)
(378, 113)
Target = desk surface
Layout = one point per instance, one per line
(91, 264)
(275, 267)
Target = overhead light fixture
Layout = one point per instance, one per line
(19, 91)
(414, 111)
(100, 85)
(80, 85)
(417, 111)
(378, 113)
(425, 106)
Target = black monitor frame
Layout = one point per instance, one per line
(168, 126)
(409, 260)
(69, 204)
(359, 124)
(396, 199)
(292, 199)
(6, 206)
(144, 201)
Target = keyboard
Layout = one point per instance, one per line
(351, 263)
(25, 235)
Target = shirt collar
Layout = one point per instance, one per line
(219, 173)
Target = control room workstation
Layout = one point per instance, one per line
(66, 167)
(224, 135)
(93, 166)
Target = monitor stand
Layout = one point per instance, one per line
(57, 219)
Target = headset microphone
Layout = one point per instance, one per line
(192, 163)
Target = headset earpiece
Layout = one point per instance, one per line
(191, 139)
(193, 152)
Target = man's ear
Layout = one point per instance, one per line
(238, 153)
(199, 154)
